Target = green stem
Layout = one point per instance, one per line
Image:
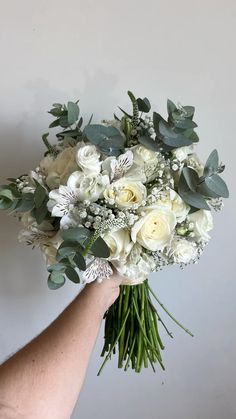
(169, 314)
(114, 344)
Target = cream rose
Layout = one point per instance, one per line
(120, 244)
(88, 158)
(58, 172)
(125, 193)
(170, 199)
(87, 187)
(145, 160)
(154, 229)
(183, 251)
(203, 223)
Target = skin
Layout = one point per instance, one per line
(44, 379)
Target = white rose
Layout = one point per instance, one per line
(203, 222)
(125, 193)
(137, 267)
(154, 230)
(145, 160)
(88, 158)
(170, 199)
(88, 187)
(61, 168)
(182, 153)
(182, 250)
(119, 243)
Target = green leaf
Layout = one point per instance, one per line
(205, 191)
(189, 111)
(195, 200)
(80, 261)
(149, 143)
(157, 118)
(56, 111)
(69, 133)
(26, 203)
(191, 178)
(72, 275)
(59, 267)
(185, 123)
(55, 280)
(217, 185)
(212, 163)
(73, 112)
(171, 107)
(6, 193)
(100, 248)
(39, 195)
(100, 135)
(41, 212)
(78, 234)
(65, 252)
(171, 138)
(55, 123)
(144, 105)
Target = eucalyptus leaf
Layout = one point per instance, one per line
(217, 185)
(149, 143)
(7, 193)
(72, 275)
(191, 178)
(100, 248)
(171, 107)
(205, 191)
(59, 267)
(98, 134)
(73, 112)
(55, 123)
(39, 195)
(195, 200)
(171, 138)
(80, 261)
(26, 203)
(212, 163)
(55, 280)
(78, 234)
(143, 105)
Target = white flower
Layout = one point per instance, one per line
(137, 267)
(154, 229)
(88, 158)
(203, 223)
(170, 199)
(145, 159)
(125, 193)
(120, 244)
(59, 169)
(117, 167)
(61, 201)
(182, 250)
(182, 153)
(97, 270)
(88, 186)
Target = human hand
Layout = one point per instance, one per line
(104, 294)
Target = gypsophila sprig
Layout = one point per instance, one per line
(128, 194)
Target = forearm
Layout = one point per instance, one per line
(45, 377)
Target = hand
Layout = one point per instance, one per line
(104, 294)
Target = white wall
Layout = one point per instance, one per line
(56, 50)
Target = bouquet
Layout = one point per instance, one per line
(128, 194)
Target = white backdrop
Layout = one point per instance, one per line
(55, 51)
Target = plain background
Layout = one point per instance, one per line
(54, 51)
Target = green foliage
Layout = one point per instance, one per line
(100, 249)
(178, 131)
(195, 190)
(78, 234)
(108, 139)
(149, 143)
(143, 105)
(55, 280)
